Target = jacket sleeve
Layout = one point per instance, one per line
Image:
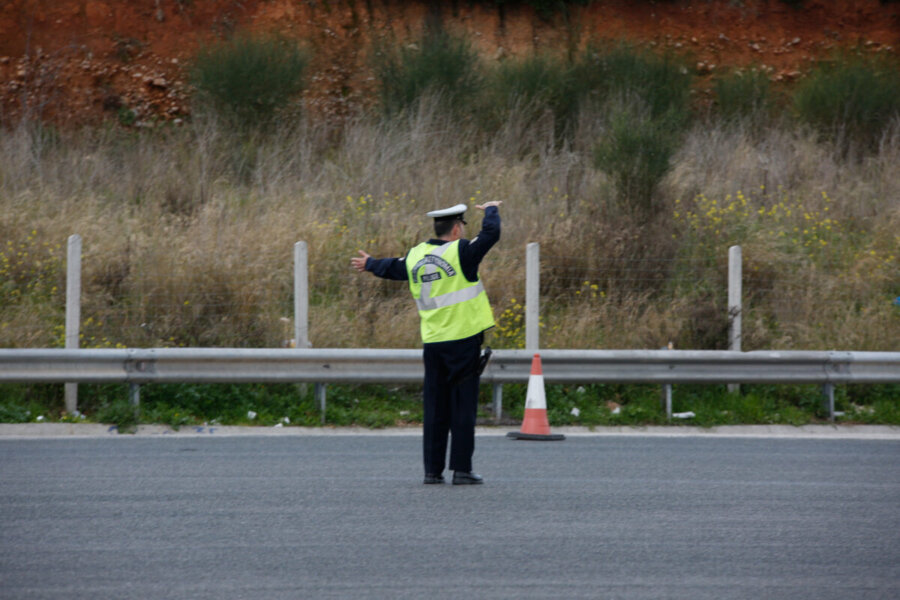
(472, 251)
(388, 268)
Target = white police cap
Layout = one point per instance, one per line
(454, 212)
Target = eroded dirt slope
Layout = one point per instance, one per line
(75, 61)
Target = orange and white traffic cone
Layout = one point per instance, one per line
(535, 425)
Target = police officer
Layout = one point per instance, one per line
(443, 277)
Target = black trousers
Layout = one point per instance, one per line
(451, 402)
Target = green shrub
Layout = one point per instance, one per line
(179, 405)
(636, 154)
(533, 86)
(647, 96)
(119, 412)
(599, 76)
(661, 81)
(15, 412)
(438, 63)
(544, 8)
(250, 77)
(743, 95)
(850, 99)
(539, 79)
(127, 116)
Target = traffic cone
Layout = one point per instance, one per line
(535, 425)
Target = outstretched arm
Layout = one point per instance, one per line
(386, 268)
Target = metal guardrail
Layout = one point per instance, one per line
(322, 366)
(211, 365)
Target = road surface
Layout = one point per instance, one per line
(348, 517)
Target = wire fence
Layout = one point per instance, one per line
(621, 276)
(603, 302)
(774, 286)
(158, 305)
(656, 301)
(225, 310)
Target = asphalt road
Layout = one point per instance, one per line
(348, 517)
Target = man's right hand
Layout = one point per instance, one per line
(359, 262)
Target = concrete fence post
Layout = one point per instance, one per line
(735, 308)
(73, 311)
(301, 296)
(532, 296)
(532, 313)
(301, 316)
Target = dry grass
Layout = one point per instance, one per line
(188, 235)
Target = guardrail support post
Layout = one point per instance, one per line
(734, 305)
(667, 399)
(498, 400)
(828, 391)
(134, 394)
(73, 311)
(320, 399)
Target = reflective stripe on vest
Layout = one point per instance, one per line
(448, 299)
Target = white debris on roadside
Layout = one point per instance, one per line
(575, 412)
(251, 415)
(683, 415)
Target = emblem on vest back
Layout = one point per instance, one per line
(437, 261)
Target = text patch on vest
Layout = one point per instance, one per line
(432, 260)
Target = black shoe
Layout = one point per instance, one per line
(466, 478)
(432, 478)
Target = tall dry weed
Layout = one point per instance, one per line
(188, 234)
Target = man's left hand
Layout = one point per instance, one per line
(484, 206)
(359, 262)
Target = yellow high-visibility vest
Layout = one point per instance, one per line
(450, 306)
